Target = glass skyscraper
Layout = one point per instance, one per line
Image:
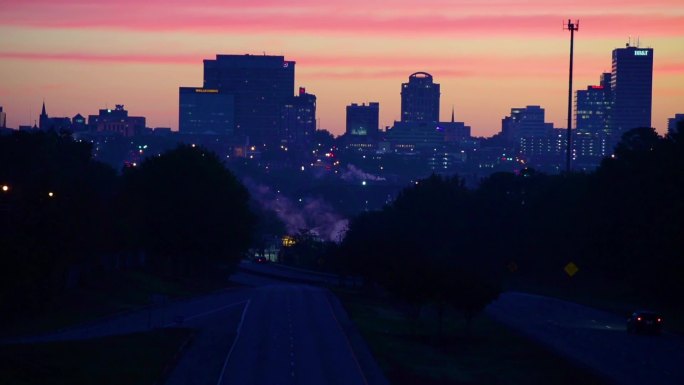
(631, 87)
(261, 87)
(420, 99)
(593, 106)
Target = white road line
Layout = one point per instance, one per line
(206, 313)
(358, 365)
(237, 336)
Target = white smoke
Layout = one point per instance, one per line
(354, 173)
(312, 214)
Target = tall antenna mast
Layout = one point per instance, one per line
(572, 27)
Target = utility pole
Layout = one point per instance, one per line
(572, 27)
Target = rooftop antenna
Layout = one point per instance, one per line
(638, 42)
(572, 27)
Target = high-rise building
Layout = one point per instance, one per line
(298, 121)
(3, 118)
(671, 122)
(363, 120)
(593, 106)
(260, 85)
(204, 111)
(420, 99)
(631, 88)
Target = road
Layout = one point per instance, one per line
(291, 335)
(596, 339)
(287, 333)
(268, 332)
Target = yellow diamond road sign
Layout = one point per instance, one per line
(571, 269)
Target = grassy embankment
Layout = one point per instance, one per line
(106, 295)
(139, 358)
(618, 298)
(489, 354)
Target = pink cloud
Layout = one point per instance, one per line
(402, 19)
(379, 5)
(116, 58)
(669, 67)
(455, 64)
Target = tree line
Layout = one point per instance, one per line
(65, 215)
(622, 225)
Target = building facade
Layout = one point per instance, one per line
(525, 122)
(116, 121)
(671, 123)
(261, 86)
(205, 111)
(298, 120)
(631, 88)
(45, 122)
(420, 99)
(363, 120)
(593, 106)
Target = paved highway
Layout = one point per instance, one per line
(290, 334)
(269, 332)
(594, 338)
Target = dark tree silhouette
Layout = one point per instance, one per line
(424, 248)
(186, 210)
(55, 215)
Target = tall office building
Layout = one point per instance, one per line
(593, 106)
(363, 120)
(298, 120)
(420, 99)
(260, 85)
(204, 111)
(3, 118)
(631, 87)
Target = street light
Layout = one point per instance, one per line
(5, 188)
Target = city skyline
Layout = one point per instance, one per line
(489, 57)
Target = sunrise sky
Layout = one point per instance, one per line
(488, 55)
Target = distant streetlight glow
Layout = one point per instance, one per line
(51, 194)
(5, 188)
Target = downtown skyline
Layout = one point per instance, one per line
(80, 56)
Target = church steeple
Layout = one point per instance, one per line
(43, 120)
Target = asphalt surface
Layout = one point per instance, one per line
(272, 331)
(290, 335)
(204, 360)
(286, 333)
(595, 339)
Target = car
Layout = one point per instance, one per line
(644, 321)
(260, 259)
